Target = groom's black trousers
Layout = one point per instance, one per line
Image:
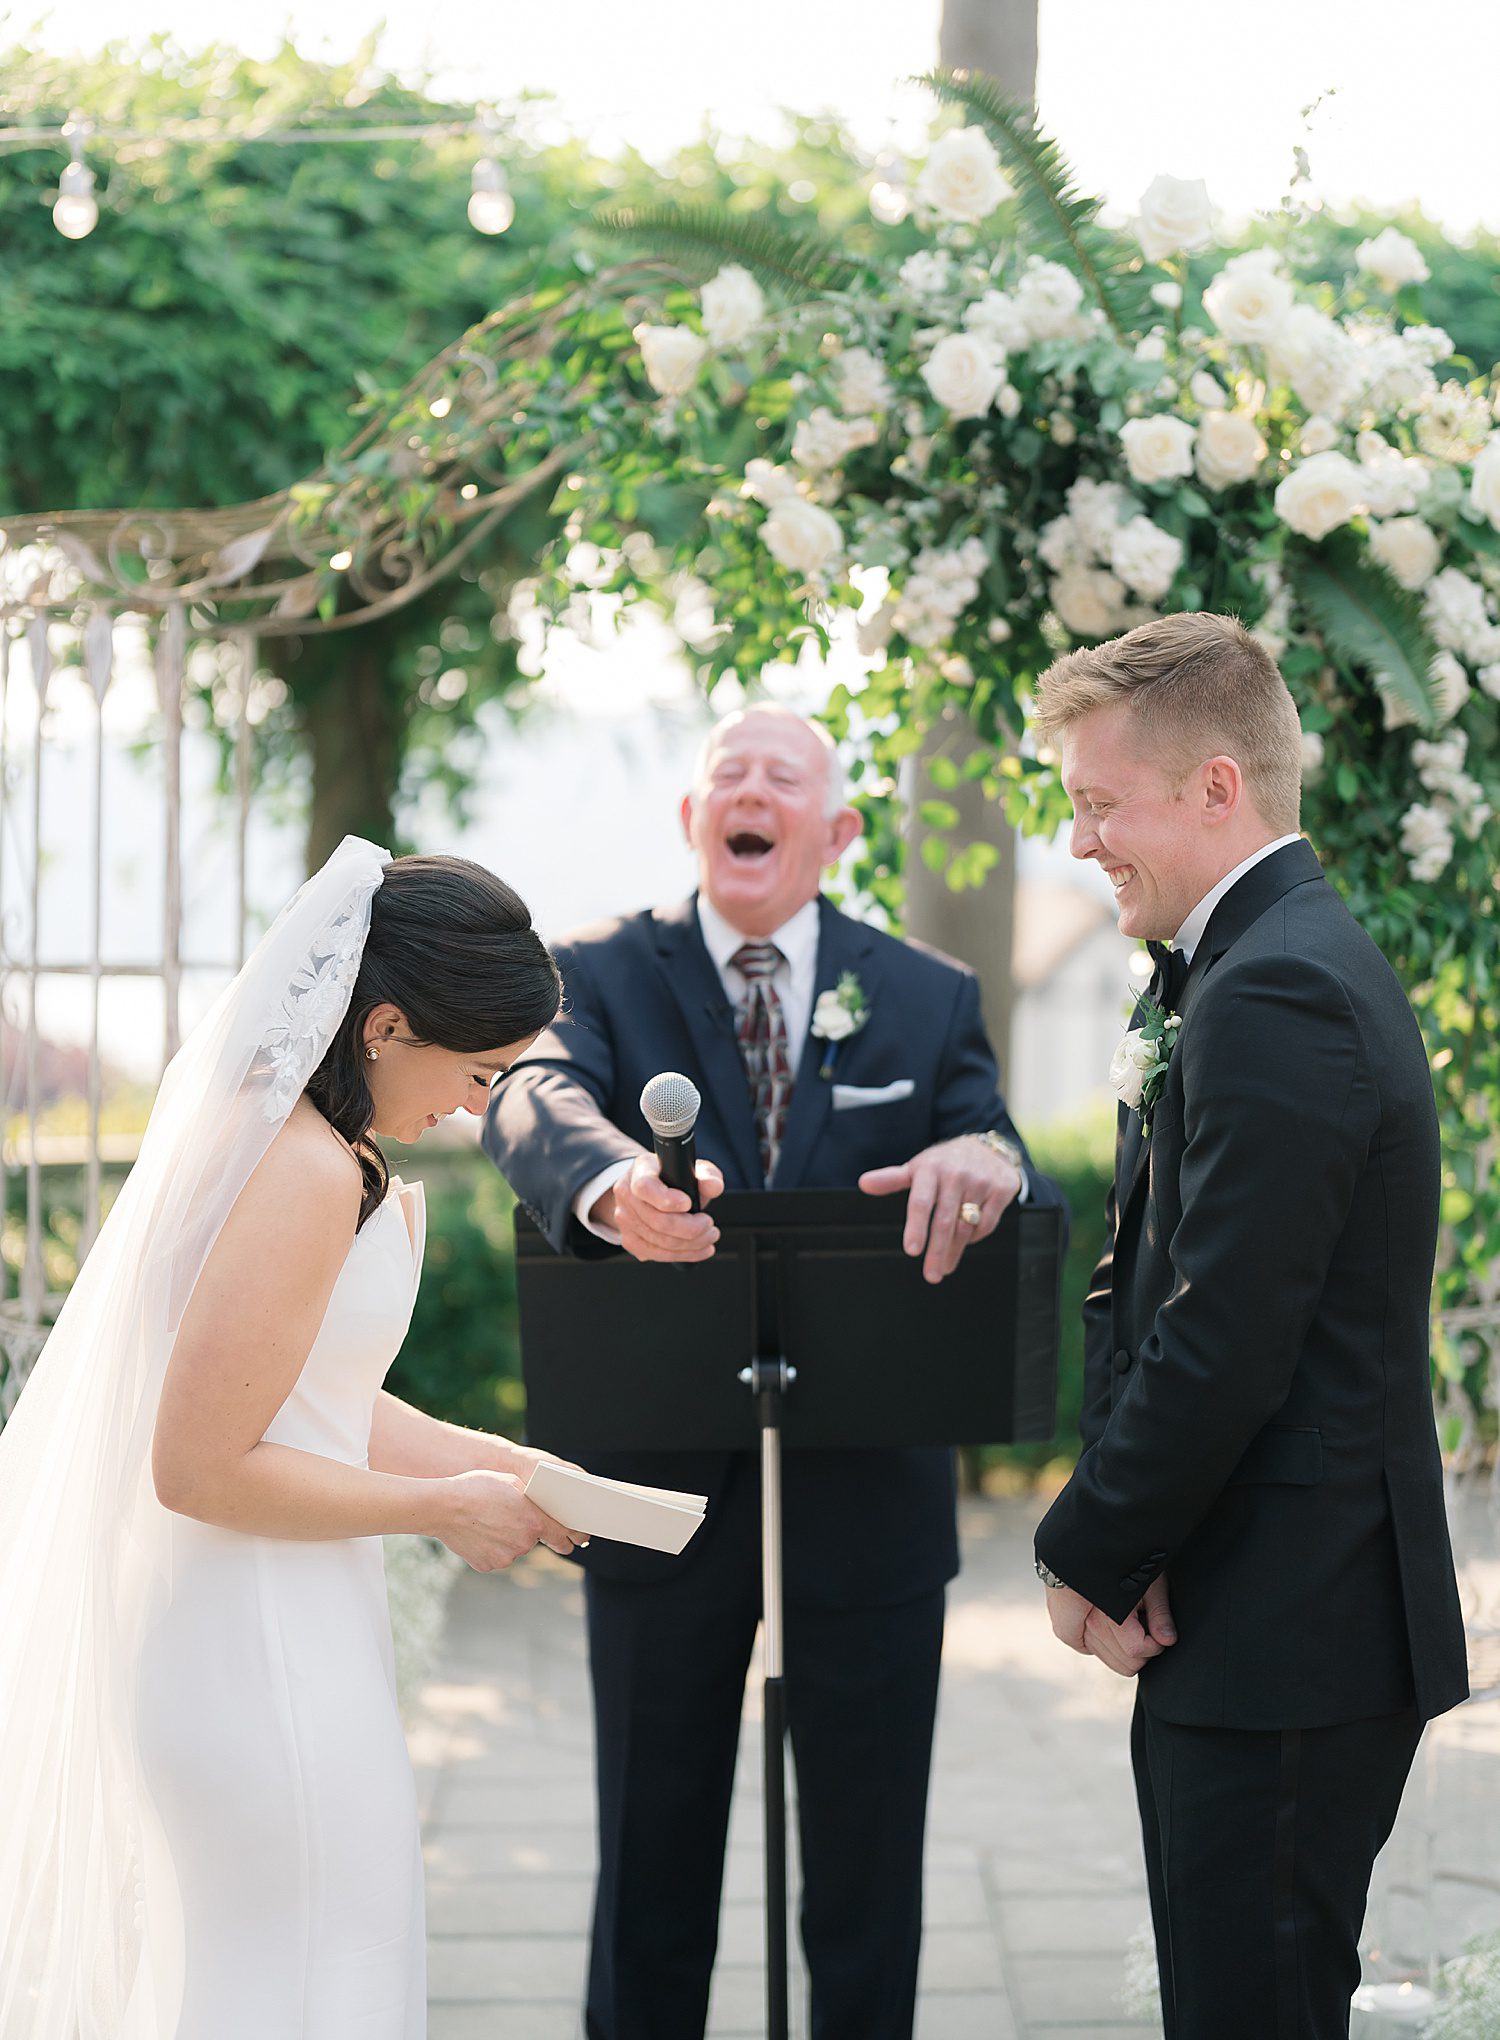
(1259, 1847)
(669, 1661)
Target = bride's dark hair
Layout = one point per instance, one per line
(453, 947)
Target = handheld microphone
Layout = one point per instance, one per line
(670, 1104)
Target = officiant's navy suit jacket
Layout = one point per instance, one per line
(642, 995)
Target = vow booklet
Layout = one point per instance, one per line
(660, 1519)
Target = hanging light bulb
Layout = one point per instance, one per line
(491, 207)
(76, 212)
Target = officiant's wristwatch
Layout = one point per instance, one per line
(1049, 1578)
(1001, 1146)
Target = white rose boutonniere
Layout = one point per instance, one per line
(838, 1014)
(1138, 1068)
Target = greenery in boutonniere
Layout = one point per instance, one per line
(1138, 1069)
(838, 1014)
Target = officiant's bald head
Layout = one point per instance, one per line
(767, 815)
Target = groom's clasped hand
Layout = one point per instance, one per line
(1124, 1646)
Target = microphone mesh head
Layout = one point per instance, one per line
(670, 1104)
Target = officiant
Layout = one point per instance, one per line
(828, 1055)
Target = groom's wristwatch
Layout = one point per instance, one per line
(1049, 1578)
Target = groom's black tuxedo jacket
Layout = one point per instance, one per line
(1258, 1420)
(642, 995)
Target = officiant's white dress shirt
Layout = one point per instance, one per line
(794, 978)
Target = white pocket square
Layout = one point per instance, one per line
(849, 1097)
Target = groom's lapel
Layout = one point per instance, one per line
(842, 945)
(709, 1017)
(1244, 903)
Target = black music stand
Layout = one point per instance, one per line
(807, 1288)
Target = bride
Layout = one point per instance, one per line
(210, 1827)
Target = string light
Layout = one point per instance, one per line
(76, 212)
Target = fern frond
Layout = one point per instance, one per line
(1368, 619)
(799, 264)
(1058, 221)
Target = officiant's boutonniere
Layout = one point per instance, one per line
(1138, 1069)
(837, 1015)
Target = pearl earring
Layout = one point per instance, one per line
(372, 1054)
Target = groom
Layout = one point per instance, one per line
(1256, 1525)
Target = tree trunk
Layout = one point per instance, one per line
(997, 37)
(994, 36)
(354, 744)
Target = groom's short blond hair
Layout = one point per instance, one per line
(1199, 686)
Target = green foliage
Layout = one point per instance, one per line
(461, 1359)
(1371, 622)
(800, 263)
(1057, 220)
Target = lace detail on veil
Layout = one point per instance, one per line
(313, 1004)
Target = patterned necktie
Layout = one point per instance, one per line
(761, 1033)
(1169, 977)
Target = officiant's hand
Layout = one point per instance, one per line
(490, 1523)
(944, 1182)
(655, 1223)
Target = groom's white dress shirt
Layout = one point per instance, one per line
(1191, 933)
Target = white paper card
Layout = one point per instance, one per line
(849, 1097)
(658, 1519)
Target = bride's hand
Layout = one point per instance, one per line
(490, 1523)
(522, 1460)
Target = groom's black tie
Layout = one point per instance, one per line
(1169, 977)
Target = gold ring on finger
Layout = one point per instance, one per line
(970, 1213)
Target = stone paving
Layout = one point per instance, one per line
(1034, 1880)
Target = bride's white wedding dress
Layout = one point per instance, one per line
(270, 1742)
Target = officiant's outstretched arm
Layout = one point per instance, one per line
(827, 1055)
(1255, 1528)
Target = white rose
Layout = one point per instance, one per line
(1175, 216)
(822, 440)
(964, 375)
(995, 317)
(1314, 355)
(1008, 401)
(1427, 839)
(1458, 614)
(1207, 390)
(1229, 449)
(1248, 301)
(1320, 495)
(801, 536)
(927, 273)
(1168, 295)
(766, 483)
(1088, 601)
(1317, 436)
(962, 178)
(1392, 260)
(1048, 297)
(1157, 449)
(1096, 510)
(862, 382)
(1408, 549)
(1128, 1066)
(1061, 545)
(1484, 488)
(672, 357)
(1312, 754)
(1452, 686)
(1146, 558)
(832, 1021)
(733, 306)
